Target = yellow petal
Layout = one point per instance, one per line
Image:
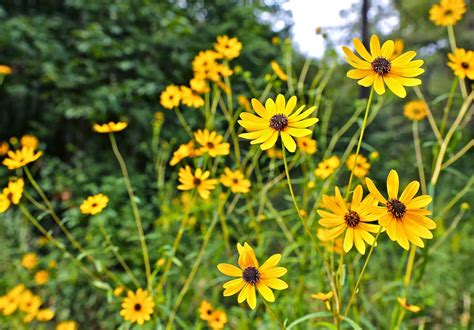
(358, 73)
(298, 132)
(360, 48)
(409, 192)
(271, 262)
(374, 191)
(379, 85)
(252, 298)
(265, 291)
(395, 85)
(356, 197)
(273, 272)
(374, 46)
(229, 270)
(243, 294)
(392, 184)
(233, 289)
(270, 142)
(260, 109)
(288, 141)
(387, 49)
(290, 106)
(275, 283)
(419, 202)
(358, 242)
(368, 81)
(348, 239)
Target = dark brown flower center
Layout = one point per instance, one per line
(10, 196)
(235, 180)
(381, 65)
(465, 65)
(352, 219)
(279, 122)
(448, 12)
(197, 181)
(137, 307)
(396, 207)
(251, 275)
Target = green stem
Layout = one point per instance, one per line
(419, 157)
(184, 122)
(273, 314)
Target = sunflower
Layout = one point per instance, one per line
(198, 85)
(5, 70)
(327, 167)
(411, 308)
(228, 48)
(362, 166)
(67, 325)
(29, 141)
(205, 310)
(20, 157)
(41, 277)
(447, 12)
(183, 151)
(4, 147)
(377, 68)
(137, 307)
(307, 145)
(235, 180)
(11, 194)
(352, 220)
(462, 63)
(252, 277)
(199, 180)
(94, 204)
(217, 320)
(189, 98)
(170, 97)
(415, 110)
(277, 117)
(278, 71)
(29, 260)
(404, 217)
(110, 127)
(211, 142)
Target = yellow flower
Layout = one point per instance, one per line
(158, 118)
(170, 97)
(229, 48)
(307, 145)
(20, 158)
(276, 118)
(377, 68)
(374, 155)
(252, 277)
(198, 85)
(462, 63)
(205, 310)
(205, 65)
(190, 99)
(41, 277)
(67, 325)
(331, 245)
(5, 70)
(45, 314)
(398, 47)
(362, 165)
(29, 260)
(11, 301)
(217, 320)
(327, 167)
(137, 307)
(447, 12)
(118, 291)
(4, 147)
(199, 180)
(94, 204)
(183, 151)
(244, 102)
(278, 71)
(353, 220)
(404, 217)
(323, 296)
(415, 110)
(274, 153)
(235, 181)
(11, 194)
(211, 142)
(29, 141)
(29, 302)
(411, 308)
(276, 40)
(110, 127)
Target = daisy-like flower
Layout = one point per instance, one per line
(275, 119)
(244, 102)
(307, 145)
(404, 217)
(189, 98)
(41, 277)
(20, 158)
(327, 167)
(137, 307)
(252, 277)
(198, 85)
(447, 12)
(274, 153)
(110, 127)
(199, 180)
(205, 310)
(217, 320)
(204, 65)
(4, 147)
(183, 151)
(411, 308)
(11, 300)
(462, 63)
(353, 220)
(362, 166)
(211, 142)
(5, 70)
(94, 204)
(67, 325)
(29, 141)
(278, 71)
(331, 245)
(323, 296)
(377, 68)
(415, 110)
(118, 291)
(170, 97)
(45, 314)
(229, 48)
(29, 260)
(29, 302)
(235, 180)
(398, 46)
(11, 194)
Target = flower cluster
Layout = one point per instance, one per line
(216, 319)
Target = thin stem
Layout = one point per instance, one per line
(136, 212)
(419, 157)
(409, 271)
(359, 279)
(359, 144)
(273, 314)
(457, 197)
(458, 155)
(183, 122)
(447, 108)
(431, 119)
